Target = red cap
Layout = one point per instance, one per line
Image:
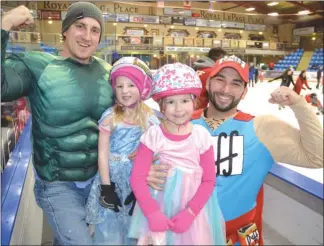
(233, 62)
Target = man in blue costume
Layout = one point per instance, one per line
(246, 147)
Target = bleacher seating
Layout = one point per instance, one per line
(14, 49)
(292, 59)
(317, 60)
(48, 49)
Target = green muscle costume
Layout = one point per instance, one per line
(66, 100)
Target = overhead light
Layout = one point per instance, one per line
(249, 9)
(171, 27)
(50, 22)
(197, 28)
(260, 33)
(272, 3)
(273, 14)
(145, 25)
(241, 31)
(219, 30)
(115, 24)
(313, 38)
(304, 12)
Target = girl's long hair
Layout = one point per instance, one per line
(142, 113)
(301, 74)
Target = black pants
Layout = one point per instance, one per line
(318, 82)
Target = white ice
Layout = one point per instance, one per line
(256, 103)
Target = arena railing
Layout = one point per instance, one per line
(119, 42)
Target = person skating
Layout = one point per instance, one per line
(319, 75)
(301, 81)
(286, 79)
(251, 75)
(313, 100)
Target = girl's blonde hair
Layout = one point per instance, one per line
(142, 113)
(162, 104)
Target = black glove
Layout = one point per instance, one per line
(130, 199)
(309, 88)
(108, 197)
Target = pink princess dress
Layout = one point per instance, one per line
(183, 154)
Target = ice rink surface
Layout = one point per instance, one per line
(256, 103)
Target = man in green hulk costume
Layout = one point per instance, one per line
(67, 95)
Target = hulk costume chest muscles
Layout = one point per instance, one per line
(66, 103)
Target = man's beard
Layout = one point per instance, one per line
(218, 107)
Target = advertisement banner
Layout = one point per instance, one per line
(122, 17)
(304, 31)
(135, 32)
(190, 21)
(230, 24)
(214, 23)
(186, 49)
(265, 45)
(177, 20)
(201, 22)
(109, 17)
(254, 27)
(144, 19)
(166, 20)
(177, 11)
(50, 15)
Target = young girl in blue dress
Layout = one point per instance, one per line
(111, 201)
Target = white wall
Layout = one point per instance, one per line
(29, 221)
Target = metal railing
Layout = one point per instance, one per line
(121, 42)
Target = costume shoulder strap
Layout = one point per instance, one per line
(243, 116)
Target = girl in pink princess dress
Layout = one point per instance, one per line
(187, 211)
